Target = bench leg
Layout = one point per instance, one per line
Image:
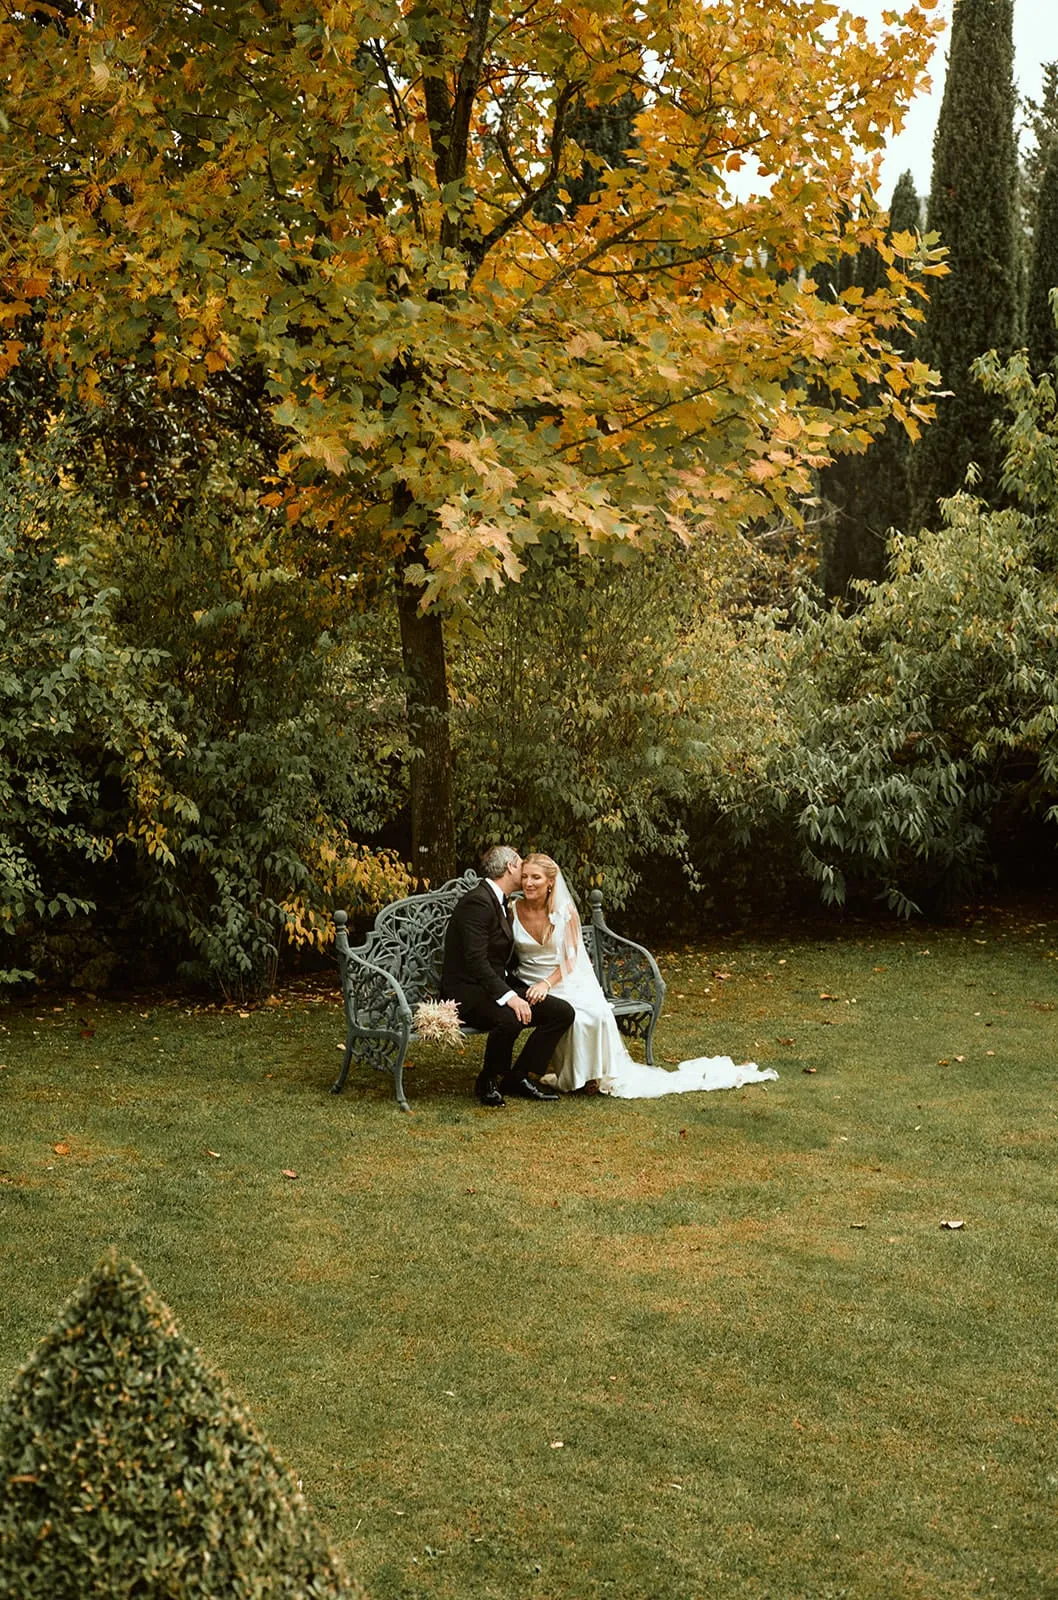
(648, 1042)
(398, 1080)
(339, 1083)
(387, 1056)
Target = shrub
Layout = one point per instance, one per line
(83, 729)
(926, 723)
(592, 707)
(189, 730)
(130, 1470)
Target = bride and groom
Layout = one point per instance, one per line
(514, 965)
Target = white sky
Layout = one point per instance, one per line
(1035, 42)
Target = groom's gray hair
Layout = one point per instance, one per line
(497, 859)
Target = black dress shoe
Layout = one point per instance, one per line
(491, 1097)
(522, 1089)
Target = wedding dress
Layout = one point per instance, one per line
(593, 1048)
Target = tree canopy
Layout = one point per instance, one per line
(377, 214)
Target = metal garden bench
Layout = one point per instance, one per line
(399, 964)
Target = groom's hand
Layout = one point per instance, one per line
(521, 1008)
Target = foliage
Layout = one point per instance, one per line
(187, 755)
(929, 718)
(332, 245)
(131, 1471)
(972, 204)
(590, 707)
(286, 731)
(84, 732)
(379, 213)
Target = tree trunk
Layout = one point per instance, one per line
(433, 841)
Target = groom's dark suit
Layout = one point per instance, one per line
(480, 965)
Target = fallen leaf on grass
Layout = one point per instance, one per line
(952, 1223)
(825, 996)
(214, 1153)
(87, 1032)
(857, 1224)
(61, 1149)
(989, 1052)
(558, 1444)
(683, 1133)
(809, 1070)
(288, 1172)
(784, 1040)
(723, 976)
(958, 1058)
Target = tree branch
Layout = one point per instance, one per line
(535, 192)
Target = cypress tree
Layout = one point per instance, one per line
(1041, 124)
(869, 494)
(973, 205)
(1040, 331)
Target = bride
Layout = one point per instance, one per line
(552, 960)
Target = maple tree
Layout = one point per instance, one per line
(472, 339)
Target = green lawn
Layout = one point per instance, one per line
(718, 1345)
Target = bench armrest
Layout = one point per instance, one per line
(377, 1013)
(372, 996)
(626, 971)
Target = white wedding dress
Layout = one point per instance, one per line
(593, 1048)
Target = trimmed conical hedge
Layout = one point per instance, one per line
(127, 1469)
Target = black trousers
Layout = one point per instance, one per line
(552, 1018)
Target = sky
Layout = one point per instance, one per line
(1035, 42)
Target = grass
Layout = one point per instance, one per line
(713, 1345)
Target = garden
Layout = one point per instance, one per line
(425, 428)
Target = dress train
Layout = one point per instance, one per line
(593, 1049)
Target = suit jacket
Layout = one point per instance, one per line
(479, 948)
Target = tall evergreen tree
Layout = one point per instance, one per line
(973, 205)
(1040, 122)
(869, 494)
(1041, 335)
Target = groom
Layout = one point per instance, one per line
(479, 974)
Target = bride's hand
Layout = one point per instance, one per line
(536, 992)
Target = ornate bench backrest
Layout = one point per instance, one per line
(408, 937)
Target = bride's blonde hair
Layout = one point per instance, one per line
(548, 867)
